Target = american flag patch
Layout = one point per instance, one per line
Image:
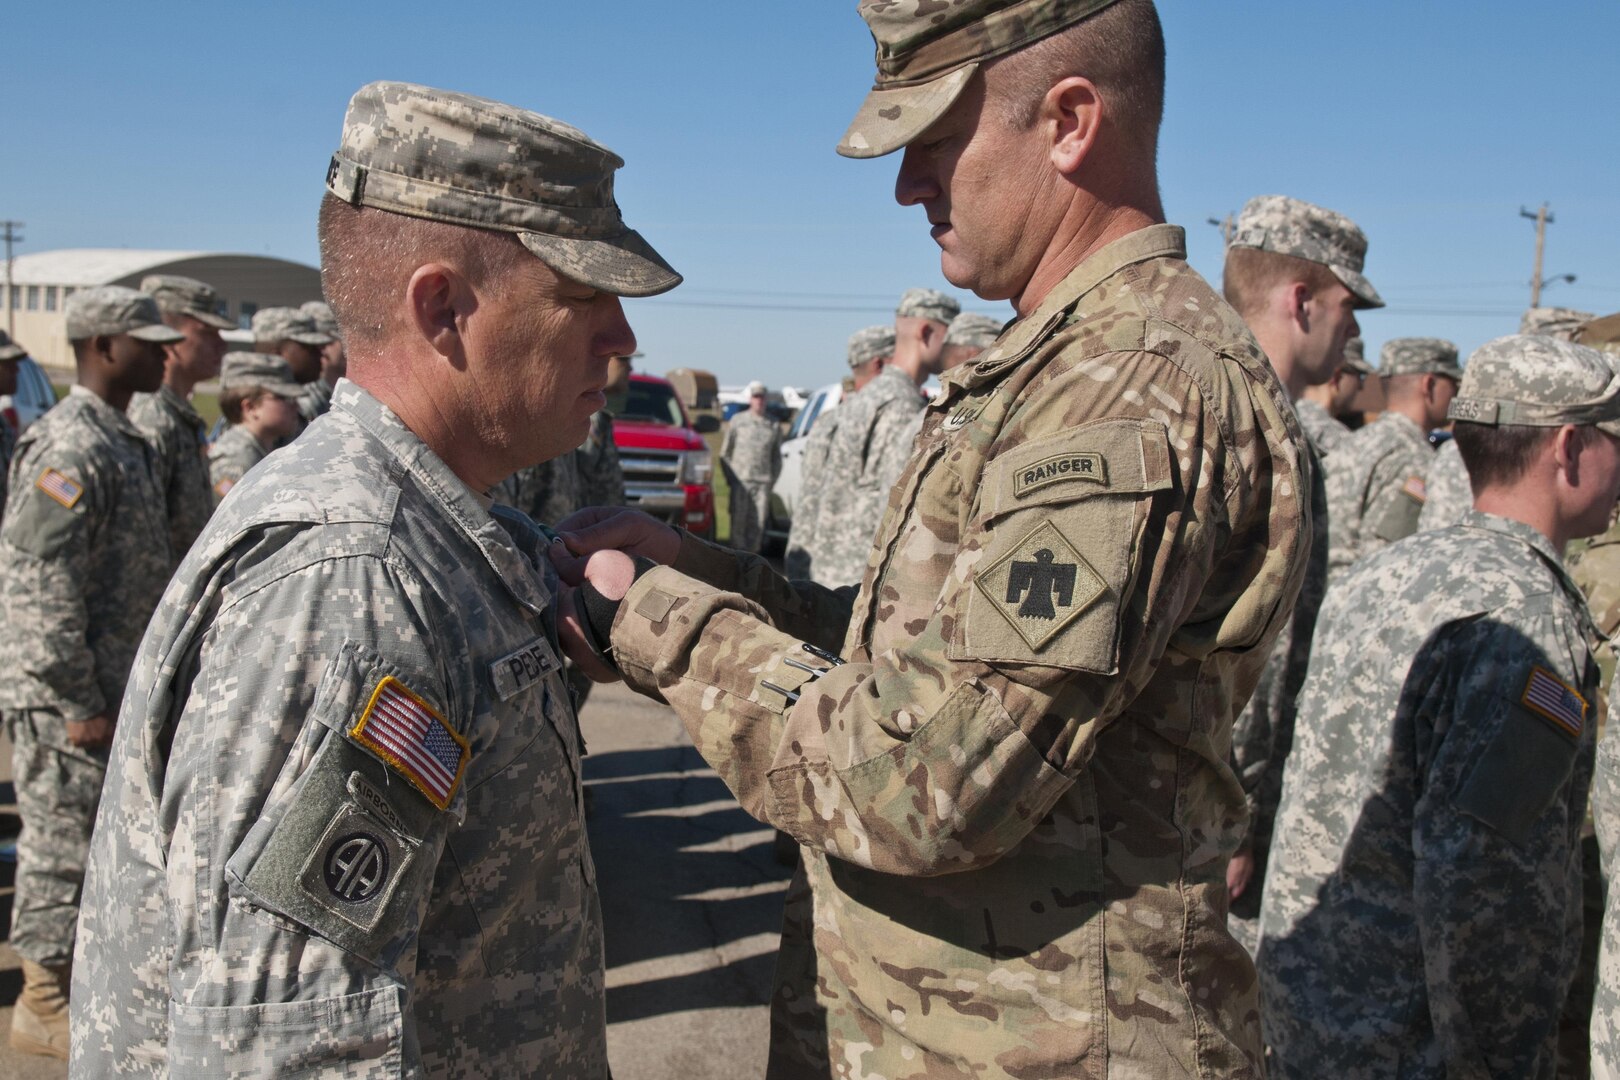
(1549, 698)
(63, 489)
(1415, 488)
(404, 731)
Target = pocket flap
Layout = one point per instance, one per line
(1103, 457)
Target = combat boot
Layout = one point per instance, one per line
(39, 1023)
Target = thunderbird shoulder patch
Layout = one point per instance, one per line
(406, 732)
(1041, 586)
(61, 487)
(1550, 698)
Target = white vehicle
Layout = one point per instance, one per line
(785, 495)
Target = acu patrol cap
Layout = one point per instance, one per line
(973, 330)
(1419, 356)
(928, 50)
(1294, 227)
(470, 161)
(321, 312)
(927, 304)
(1538, 381)
(287, 323)
(869, 344)
(756, 389)
(177, 295)
(1558, 322)
(1355, 357)
(113, 309)
(10, 350)
(244, 370)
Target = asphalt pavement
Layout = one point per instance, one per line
(691, 896)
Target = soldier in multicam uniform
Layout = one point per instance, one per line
(1012, 788)
(11, 355)
(84, 554)
(342, 834)
(292, 334)
(167, 419)
(874, 438)
(1423, 906)
(1294, 272)
(1376, 486)
(258, 396)
(869, 350)
(752, 454)
(317, 397)
(1320, 408)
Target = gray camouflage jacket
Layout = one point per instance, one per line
(1326, 431)
(342, 831)
(180, 439)
(1449, 496)
(232, 455)
(1375, 488)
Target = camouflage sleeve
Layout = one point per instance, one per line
(1396, 492)
(316, 399)
(812, 470)
(803, 609)
(1605, 1032)
(601, 475)
(728, 443)
(889, 448)
(1493, 839)
(58, 503)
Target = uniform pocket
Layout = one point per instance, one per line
(357, 1036)
(1519, 774)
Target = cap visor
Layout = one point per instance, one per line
(1360, 286)
(624, 266)
(312, 339)
(292, 391)
(159, 333)
(890, 119)
(208, 318)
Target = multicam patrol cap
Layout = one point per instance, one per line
(10, 350)
(1558, 322)
(1538, 381)
(927, 304)
(928, 50)
(113, 309)
(325, 321)
(1294, 227)
(1355, 357)
(177, 295)
(870, 344)
(1419, 356)
(469, 161)
(287, 323)
(973, 330)
(248, 370)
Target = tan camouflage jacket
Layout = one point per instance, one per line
(180, 438)
(1014, 797)
(1376, 487)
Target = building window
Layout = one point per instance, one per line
(16, 297)
(33, 298)
(67, 291)
(244, 318)
(50, 298)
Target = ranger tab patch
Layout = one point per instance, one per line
(1077, 465)
(61, 487)
(1555, 702)
(1041, 586)
(405, 731)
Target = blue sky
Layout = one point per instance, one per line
(192, 125)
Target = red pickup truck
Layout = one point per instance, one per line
(667, 466)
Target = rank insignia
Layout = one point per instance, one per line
(406, 732)
(1041, 586)
(1555, 702)
(64, 489)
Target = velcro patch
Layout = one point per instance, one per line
(1415, 488)
(1041, 586)
(406, 732)
(517, 671)
(61, 487)
(1059, 467)
(1556, 702)
(355, 867)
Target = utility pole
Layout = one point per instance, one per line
(12, 236)
(1226, 226)
(1542, 218)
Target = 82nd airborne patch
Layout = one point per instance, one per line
(1041, 585)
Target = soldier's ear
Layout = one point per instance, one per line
(432, 297)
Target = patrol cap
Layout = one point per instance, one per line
(287, 323)
(469, 161)
(1538, 381)
(928, 50)
(113, 309)
(10, 350)
(927, 304)
(869, 344)
(1355, 357)
(1419, 356)
(246, 370)
(973, 330)
(1294, 227)
(321, 312)
(756, 389)
(1558, 322)
(176, 295)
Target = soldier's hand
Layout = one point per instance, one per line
(91, 734)
(1239, 872)
(611, 528)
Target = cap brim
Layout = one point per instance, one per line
(890, 119)
(1362, 288)
(625, 266)
(292, 391)
(316, 340)
(208, 318)
(159, 333)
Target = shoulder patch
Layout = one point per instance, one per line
(1556, 702)
(1087, 465)
(223, 487)
(1041, 585)
(1415, 488)
(61, 487)
(407, 733)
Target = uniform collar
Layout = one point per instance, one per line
(1534, 538)
(455, 499)
(97, 406)
(1409, 428)
(180, 405)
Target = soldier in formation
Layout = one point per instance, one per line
(1004, 754)
(317, 397)
(84, 554)
(292, 334)
(969, 335)
(752, 453)
(11, 356)
(1322, 409)
(345, 785)
(1423, 903)
(259, 397)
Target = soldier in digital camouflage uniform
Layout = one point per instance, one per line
(874, 438)
(968, 336)
(294, 335)
(547, 492)
(1447, 495)
(342, 833)
(601, 477)
(334, 361)
(1558, 322)
(11, 355)
(1012, 789)
(869, 350)
(1320, 408)
(258, 395)
(752, 452)
(1377, 485)
(84, 554)
(1422, 911)
(167, 418)
(1293, 271)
